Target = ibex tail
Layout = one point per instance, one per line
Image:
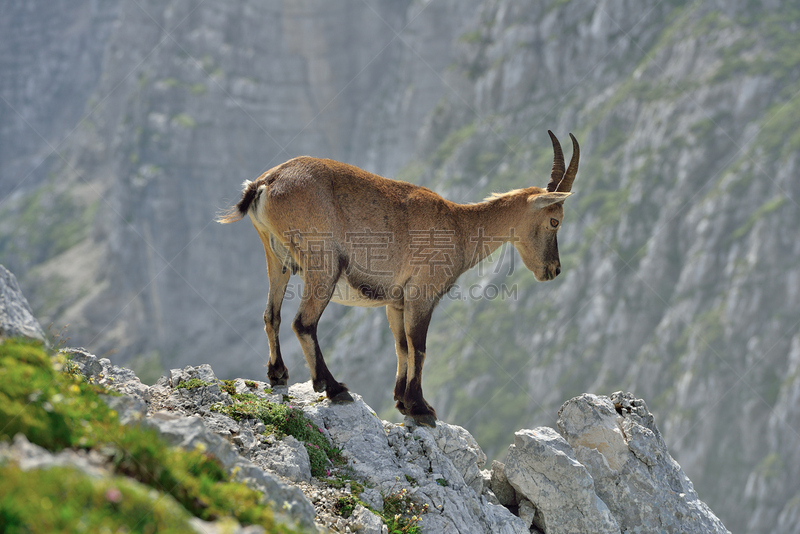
(249, 194)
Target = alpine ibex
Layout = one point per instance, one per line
(363, 240)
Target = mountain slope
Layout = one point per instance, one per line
(681, 269)
(681, 259)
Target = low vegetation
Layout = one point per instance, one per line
(44, 397)
(401, 513)
(192, 383)
(285, 420)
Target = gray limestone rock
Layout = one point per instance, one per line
(527, 512)
(373, 498)
(542, 466)
(130, 410)
(288, 458)
(617, 440)
(201, 372)
(286, 499)
(365, 522)
(615, 455)
(88, 364)
(429, 464)
(500, 486)
(461, 448)
(31, 456)
(612, 473)
(190, 433)
(101, 371)
(223, 527)
(199, 399)
(243, 434)
(16, 317)
(221, 424)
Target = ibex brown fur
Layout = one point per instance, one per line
(363, 240)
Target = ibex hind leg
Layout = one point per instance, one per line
(277, 373)
(395, 317)
(316, 295)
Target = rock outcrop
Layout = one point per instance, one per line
(555, 492)
(608, 470)
(16, 317)
(646, 490)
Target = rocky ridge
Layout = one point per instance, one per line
(16, 317)
(608, 470)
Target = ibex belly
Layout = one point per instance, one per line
(363, 296)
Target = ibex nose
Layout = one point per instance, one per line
(558, 270)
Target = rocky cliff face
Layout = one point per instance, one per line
(134, 188)
(681, 270)
(679, 280)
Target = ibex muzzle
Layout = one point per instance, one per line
(362, 240)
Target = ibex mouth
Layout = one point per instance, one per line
(547, 274)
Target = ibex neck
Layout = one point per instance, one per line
(491, 223)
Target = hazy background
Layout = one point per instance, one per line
(126, 124)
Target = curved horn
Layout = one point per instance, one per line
(566, 184)
(558, 164)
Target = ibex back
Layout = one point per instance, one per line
(363, 240)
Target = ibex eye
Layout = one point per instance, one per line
(554, 223)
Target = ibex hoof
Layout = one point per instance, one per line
(401, 407)
(425, 420)
(319, 385)
(277, 376)
(342, 397)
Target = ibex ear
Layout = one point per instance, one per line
(542, 200)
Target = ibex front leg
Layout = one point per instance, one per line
(317, 291)
(416, 318)
(395, 317)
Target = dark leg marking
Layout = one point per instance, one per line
(305, 327)
(416, 323)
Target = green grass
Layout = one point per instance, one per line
(44, 397)
(342, 478)
(66, 500)
(192, 383)
(345, 505)
(285, 420)
(228, 386)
